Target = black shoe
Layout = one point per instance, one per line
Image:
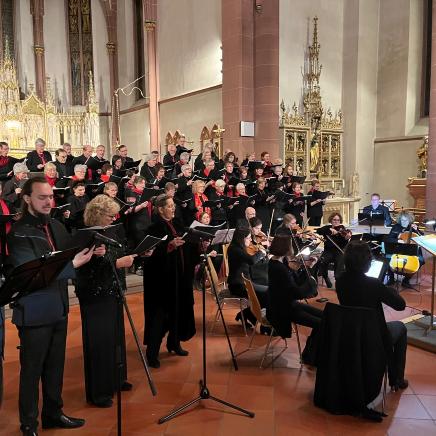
(27, 431)
(126, 386)
(177, 349)
(403, 384)
(62, 421)
(265, 330)
(248, 325)
(372, 415)
(153, 362)
(406, 282)
(103, 403)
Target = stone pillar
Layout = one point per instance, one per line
(431, 165)
(238, 72)
(110, 12)
(150, 22)
(37, 11)
(266, 77)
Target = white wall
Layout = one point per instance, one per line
(24, 44)
(135, 132)
(188, 40)
(296, 28)
(56, 49)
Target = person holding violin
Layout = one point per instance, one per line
(287, 284)
(240, 261)
(336, 238)
(402, 232)
(315, 204)
(259, 239)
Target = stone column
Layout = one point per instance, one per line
(150, 22)
(37, 11)
(238, 72)
(266, 77)
(110, 12)
(431, 165)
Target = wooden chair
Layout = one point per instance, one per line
(261, 320)
(224, 296)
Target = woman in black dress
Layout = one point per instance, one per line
(168, 289)
(101, 309)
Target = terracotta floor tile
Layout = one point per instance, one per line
(411, 427)
(410, 407)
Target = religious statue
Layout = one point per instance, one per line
(354, 185)
(314, 152)
(422, 155)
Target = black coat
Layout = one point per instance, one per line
(33, 160)
(380, 212)
(317, 209)
(9, 194)
(239, 263)
(27, 241)
(168, 277)
(285, 288)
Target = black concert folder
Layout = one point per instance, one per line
(34, 275)
(90, 236)
(123, 206)
(298, 179)
(94, 188)
(371, 219)
(182, 203)
(284, 196)
(214, 203)
(255, 164)
(95, 164)
(132, 165)
(195, 236)
(205, 228)
(148, 193)
(321, 195)
(61, 207)
(148, 243)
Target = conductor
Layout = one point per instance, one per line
(377, 210)
(41, 317)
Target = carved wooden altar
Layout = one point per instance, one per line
(23, 121)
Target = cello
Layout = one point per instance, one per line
(404, 264)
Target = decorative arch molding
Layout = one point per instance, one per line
(169, 139)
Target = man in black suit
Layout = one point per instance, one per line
(83, 159)
(354, 288)
(63, 168)
(122, 151)
(67, 148)
(41, 317)
(36, 159)
(377, 210)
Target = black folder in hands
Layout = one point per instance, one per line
(147, 244)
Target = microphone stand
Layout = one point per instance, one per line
(204, 390)
(119, 361)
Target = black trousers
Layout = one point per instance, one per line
(104, 346)
(315, 220)
(42, 357)
(335, 257)
(397, 363)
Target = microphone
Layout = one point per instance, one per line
(106, 240)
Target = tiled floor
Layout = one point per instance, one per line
(281, 396)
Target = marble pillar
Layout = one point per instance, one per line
(431, 165)
(37, 12)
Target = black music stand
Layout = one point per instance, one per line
(371, 220)
(196, 236)
(402, 249)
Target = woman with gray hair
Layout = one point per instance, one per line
(36, 159)
(148, 170)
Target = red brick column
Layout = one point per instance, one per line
(37, 11)
(431, 167)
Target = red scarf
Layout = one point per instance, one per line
(51, 180)
(105, 178)
(4, 160)
(199, 199)
(41, 156)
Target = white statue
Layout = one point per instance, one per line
(354, 185)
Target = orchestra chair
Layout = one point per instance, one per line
(224, 297)
(351, 360)
(261, 320)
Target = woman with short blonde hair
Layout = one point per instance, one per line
(99, 208)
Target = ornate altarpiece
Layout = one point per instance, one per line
(22, 121)
(312, 138)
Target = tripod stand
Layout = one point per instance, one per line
(204, 391)
(122, 303)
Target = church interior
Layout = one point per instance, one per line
(343, 91)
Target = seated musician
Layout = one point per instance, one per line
(375, 209)
(336, 238)
(290, 227)
(354, 288)
(401, 232)
(240, 260)
(287, 284)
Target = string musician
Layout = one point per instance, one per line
(402, 232)
(336, 237)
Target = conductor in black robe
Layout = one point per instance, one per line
(168, 290)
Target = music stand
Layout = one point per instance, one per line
(370, 220)
(196, 236)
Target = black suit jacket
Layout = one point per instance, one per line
(381, 211)
(33, 160)
(27, 241)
